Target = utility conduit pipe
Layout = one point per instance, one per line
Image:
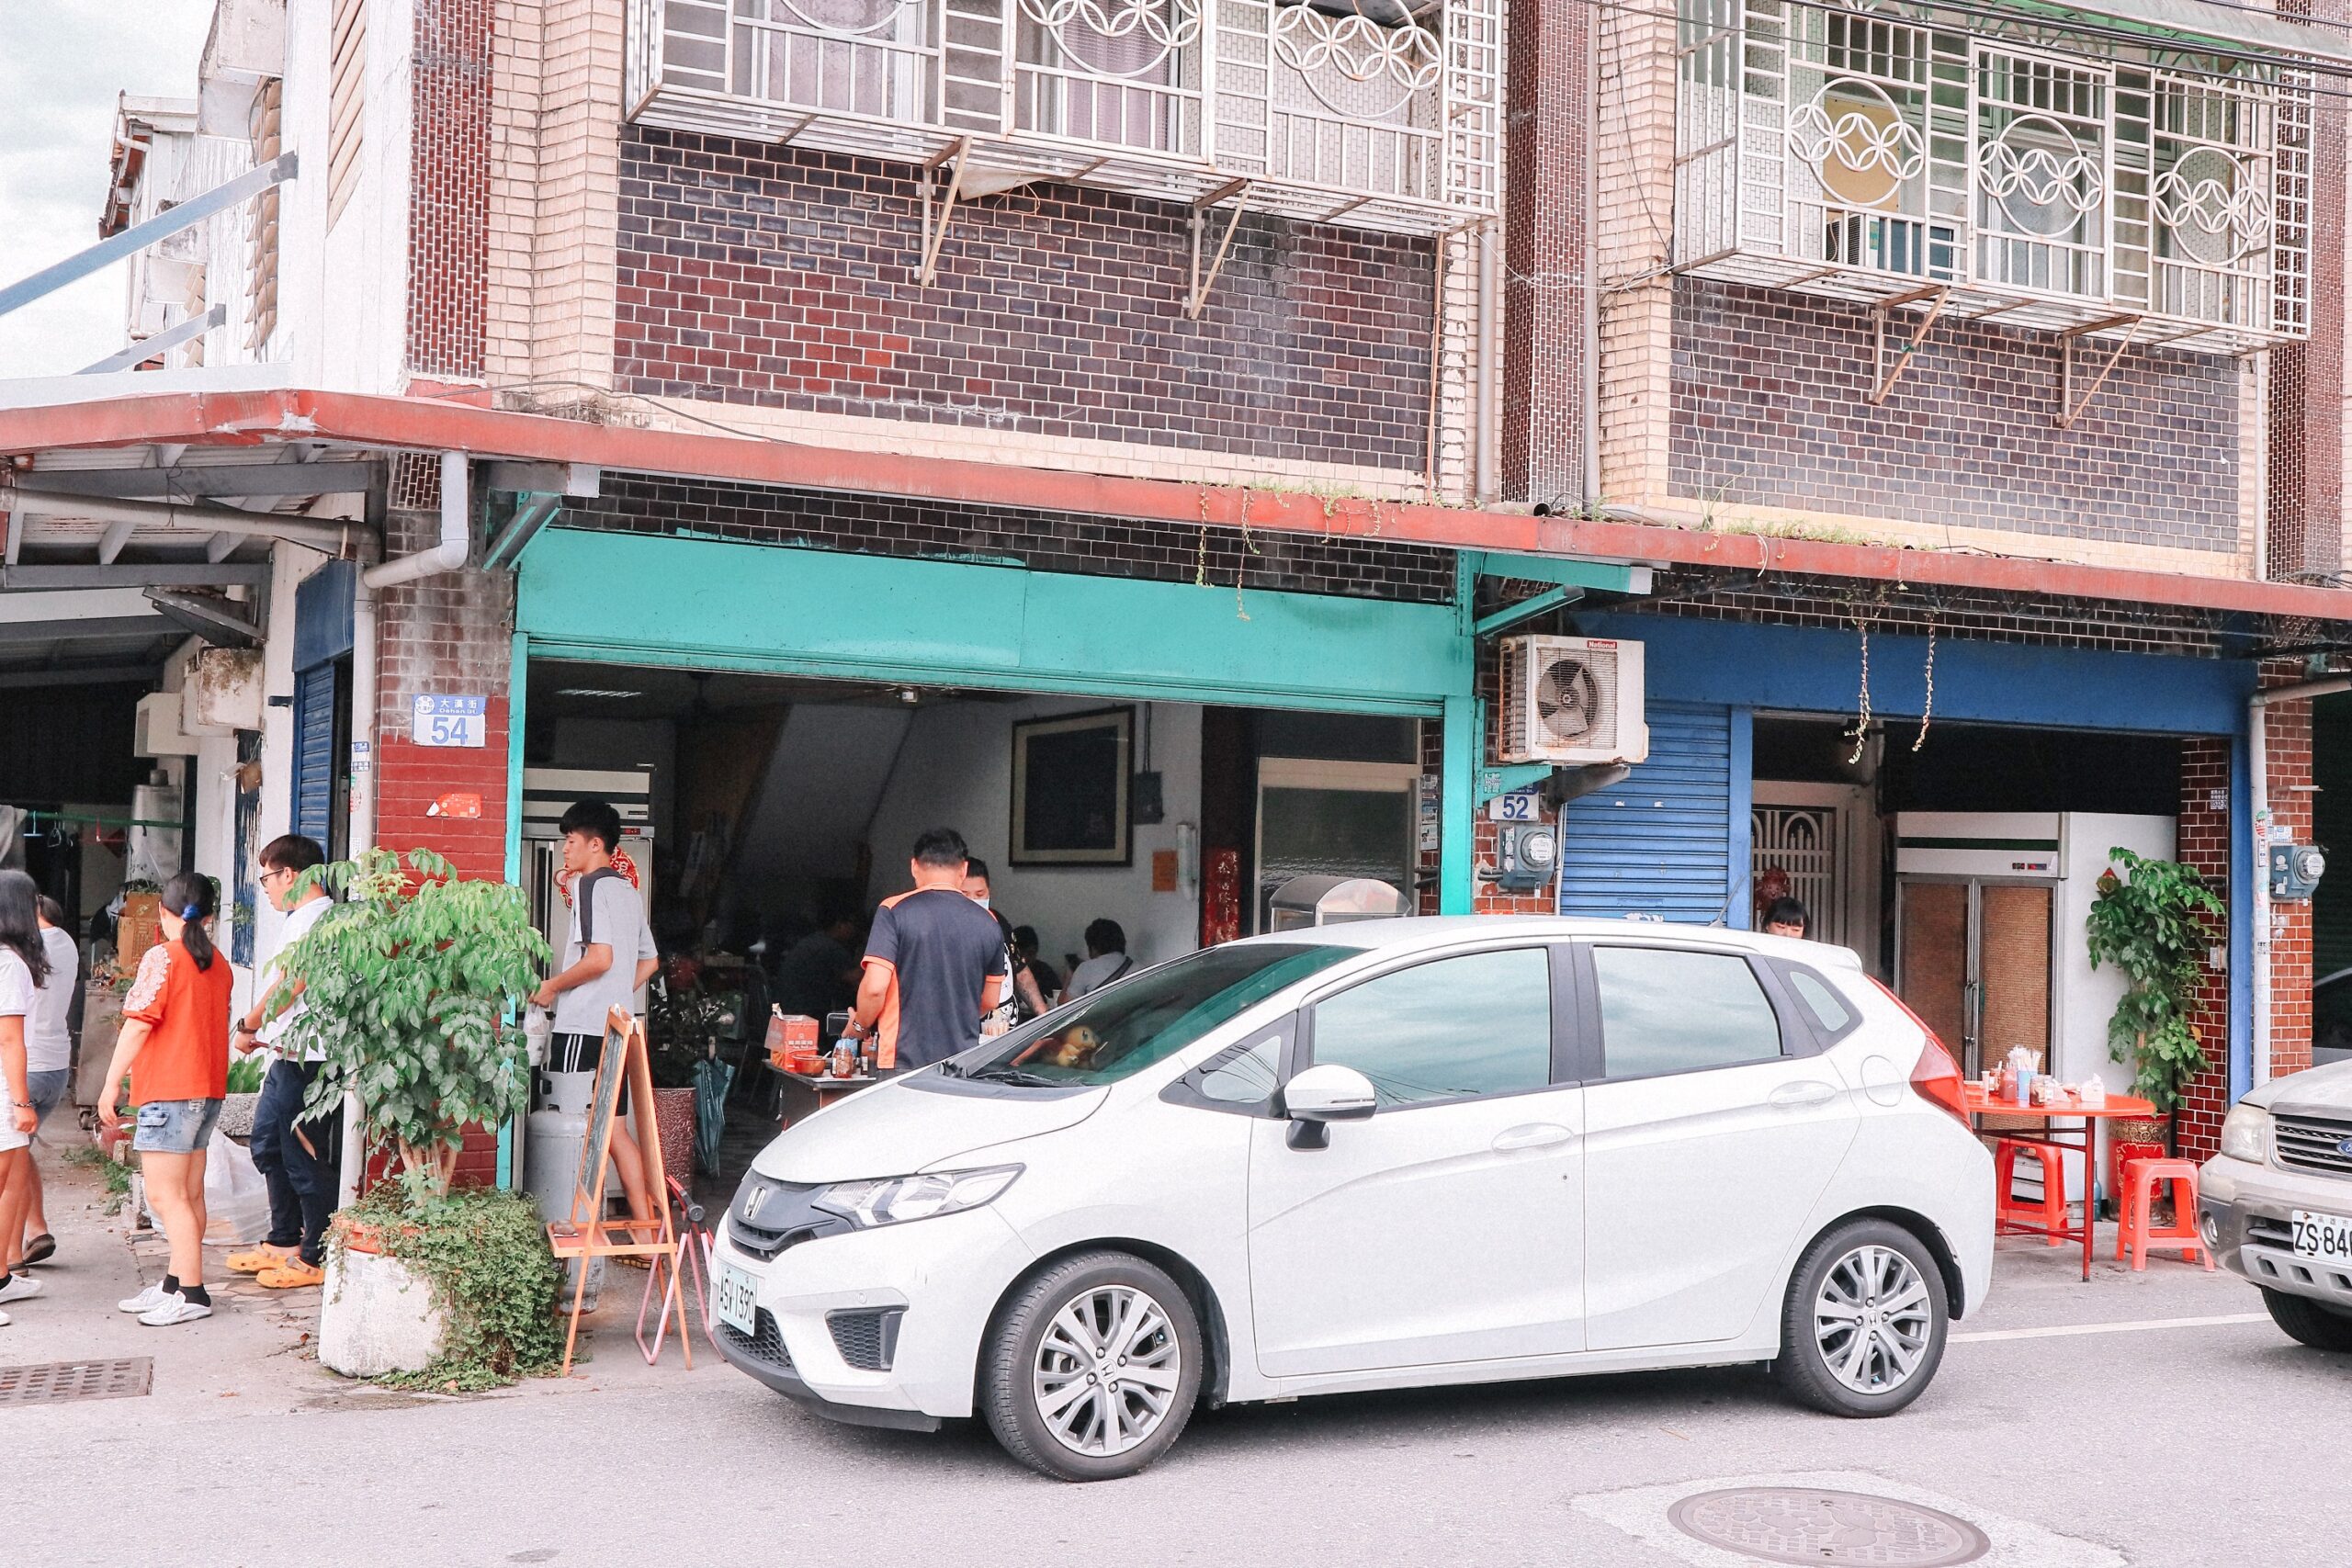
(448, 555)
(2258, 774)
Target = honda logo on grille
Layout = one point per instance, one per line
(753, 1199)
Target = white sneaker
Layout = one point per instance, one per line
(18, 1287)
(147, 1300)
(3, 1320)
(174, 1308)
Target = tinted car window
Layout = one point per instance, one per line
(1668, 1011)
(1243, 1076)
(1829, 1009)
(1129, 1024)
(1450, 1029)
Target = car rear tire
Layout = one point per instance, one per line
(1863, 1330)
(1091, 1369)
(2320, 1327)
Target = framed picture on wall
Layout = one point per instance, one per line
(1070, 778)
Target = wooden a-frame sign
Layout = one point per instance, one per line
(588, 1233)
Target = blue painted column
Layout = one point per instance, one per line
(2243, 871)
(1740, 899)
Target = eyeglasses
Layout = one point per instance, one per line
(269, 875)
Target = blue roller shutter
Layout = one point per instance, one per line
(1659, 843)
(313, 810)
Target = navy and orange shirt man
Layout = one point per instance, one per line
(934, 961)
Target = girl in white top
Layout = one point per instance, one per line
(24, 965)
(49, 1052)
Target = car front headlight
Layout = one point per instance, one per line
(2246, 1134)
(895, 1200)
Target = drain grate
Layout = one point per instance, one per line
(55, 1382)
(1788, 1524)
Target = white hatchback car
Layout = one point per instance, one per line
(1387, 1155)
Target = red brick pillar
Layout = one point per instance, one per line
(2204, 846)
(1545, 174)
(446, 636)
(2289, 745)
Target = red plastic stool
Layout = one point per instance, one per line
(2120, 1152)
(2136, 1234)
(2044, 1216)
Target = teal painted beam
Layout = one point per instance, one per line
(1509, 779)
(1565, 571)
(700, 603)
(1526, 610)
(517, 694)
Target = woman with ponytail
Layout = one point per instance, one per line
(24, 967)
(175, 1049)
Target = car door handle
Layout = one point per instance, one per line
(1796, 1096)
(1531, 1136)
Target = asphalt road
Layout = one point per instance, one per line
(2207, 1442)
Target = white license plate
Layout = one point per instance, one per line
(735, 1296)
(2324, 1236)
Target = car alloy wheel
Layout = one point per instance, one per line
(1107, 1370)
(1872, 1319)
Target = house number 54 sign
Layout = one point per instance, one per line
(450, 721)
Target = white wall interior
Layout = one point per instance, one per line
(955, 771)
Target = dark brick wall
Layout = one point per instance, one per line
(1044, 541)
(448, 266)
(1772, 407)
(750, 274)
(1544, 249)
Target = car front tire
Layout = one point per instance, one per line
(1091, 1369)
(2309, 1322)
(1863, 1330)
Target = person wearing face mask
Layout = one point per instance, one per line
(1024, 1002)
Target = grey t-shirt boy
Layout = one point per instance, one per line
(604, 909)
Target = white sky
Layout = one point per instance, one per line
(62, 62)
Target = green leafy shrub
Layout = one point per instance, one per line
(409, 985)
(2154, 922)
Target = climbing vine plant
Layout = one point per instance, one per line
(2154, 919)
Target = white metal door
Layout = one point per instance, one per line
(1822, 836)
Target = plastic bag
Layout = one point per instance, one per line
(236, 1197)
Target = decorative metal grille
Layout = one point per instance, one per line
(1382, 114)
(1868, 151)
(1803, 841)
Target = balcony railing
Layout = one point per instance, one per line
(1378, 114)
(1869, 151)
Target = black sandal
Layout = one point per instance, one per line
(41, 1249)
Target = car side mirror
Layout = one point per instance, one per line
(1322, 1095)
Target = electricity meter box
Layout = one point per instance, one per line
(1306, 901)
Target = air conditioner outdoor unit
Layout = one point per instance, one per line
(1572, 700)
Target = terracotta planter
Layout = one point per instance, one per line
(674, 1119)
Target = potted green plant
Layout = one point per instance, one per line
(2154, 920)
(410, 988)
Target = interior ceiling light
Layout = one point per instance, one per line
(596, 692)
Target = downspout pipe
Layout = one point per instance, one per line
(2257, 729)
(448, 555)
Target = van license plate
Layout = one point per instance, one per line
(736, 1294)
(2327, 1237)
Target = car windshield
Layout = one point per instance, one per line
(1127, 1026)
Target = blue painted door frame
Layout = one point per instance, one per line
(704, 603)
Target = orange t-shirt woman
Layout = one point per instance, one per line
(175, 1050)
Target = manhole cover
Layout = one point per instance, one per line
(1789, 1524)
(54, 1383)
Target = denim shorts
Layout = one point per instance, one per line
(175, 1126)
(47, 1088)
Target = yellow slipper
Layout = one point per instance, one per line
(258, 1259)
(292, 1276)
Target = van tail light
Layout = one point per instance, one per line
(1936, 1078)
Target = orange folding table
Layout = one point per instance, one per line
(2082, 1140)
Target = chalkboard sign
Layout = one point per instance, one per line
(612, 1071)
